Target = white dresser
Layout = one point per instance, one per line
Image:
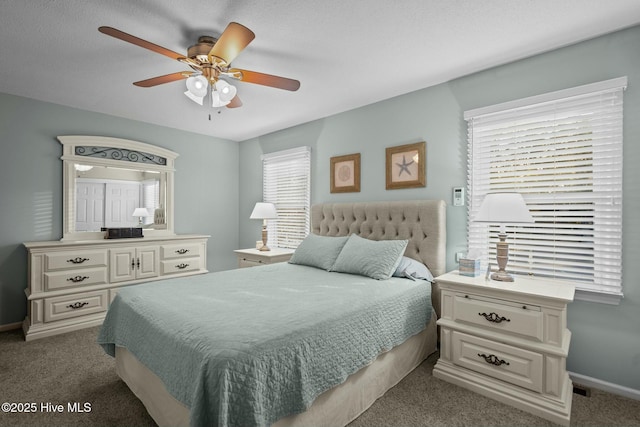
(508, 341)
(71, 283)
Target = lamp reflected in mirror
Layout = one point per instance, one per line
(141, 213)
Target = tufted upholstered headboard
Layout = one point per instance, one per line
(422, 222)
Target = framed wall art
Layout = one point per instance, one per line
(345, 173)
(406, 166)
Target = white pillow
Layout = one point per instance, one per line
(412, 269)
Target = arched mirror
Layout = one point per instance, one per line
(113, 183)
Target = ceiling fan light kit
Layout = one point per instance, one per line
(221, 92)
(210, 59)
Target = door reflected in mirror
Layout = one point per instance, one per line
(108, 197)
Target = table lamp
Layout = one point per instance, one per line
(502, 208)
(140, 213)
(264, 211)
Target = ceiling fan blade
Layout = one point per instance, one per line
(232, 41)
(140, 42)
(264, 79)
(167, 78)
(235, 102)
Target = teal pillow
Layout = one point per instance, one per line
(377, 259)
(318, 251)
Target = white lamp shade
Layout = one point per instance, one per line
(197, 89)
(264, 211)
(503, 208)
(226, 91)
(137, 212)
(216, 101)
(197, 99)
(197, 85)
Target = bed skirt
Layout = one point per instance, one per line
(337, 406)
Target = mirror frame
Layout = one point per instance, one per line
(70, 158)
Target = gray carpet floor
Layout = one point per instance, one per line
(73, 369)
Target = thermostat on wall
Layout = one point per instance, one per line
(458, 196)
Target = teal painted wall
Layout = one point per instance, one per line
(606, 339)
(31, 185)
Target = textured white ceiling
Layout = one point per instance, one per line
(345, 53)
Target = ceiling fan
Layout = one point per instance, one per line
(210, 59)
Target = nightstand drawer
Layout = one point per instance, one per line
(510, 364)
(248, 262)
(505, 316)
(255, 257)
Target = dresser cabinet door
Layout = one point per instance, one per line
(133, 263)
(122, 264)
(147, 260)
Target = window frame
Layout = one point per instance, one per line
(507, 114)
(293, 168)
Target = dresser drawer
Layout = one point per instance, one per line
(506, 363)
(188, 250)
(505, 316)
(179, 265)
(64, 307)
(70, 278)
(76, 259)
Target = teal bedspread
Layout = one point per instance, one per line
(247, 347)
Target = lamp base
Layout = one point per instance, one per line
(502, 256)
(502, 276)
(264, 246)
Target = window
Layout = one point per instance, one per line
(150, 198)
(286, 182)
(563, 152)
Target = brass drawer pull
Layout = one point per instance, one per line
(77, 260)
(493, 359)
(494, 317)
(182, 251)
(77, 305)
(77, 279)
(182, 266)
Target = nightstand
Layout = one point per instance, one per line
(254, 257)
(508, 341)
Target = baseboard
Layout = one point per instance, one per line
(10, 326)
(620, 390)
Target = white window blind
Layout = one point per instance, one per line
(287, 184)
(563, 152)
(150, 196)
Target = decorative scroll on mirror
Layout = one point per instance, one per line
(106, 180)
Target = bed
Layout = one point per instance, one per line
(322, 360)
